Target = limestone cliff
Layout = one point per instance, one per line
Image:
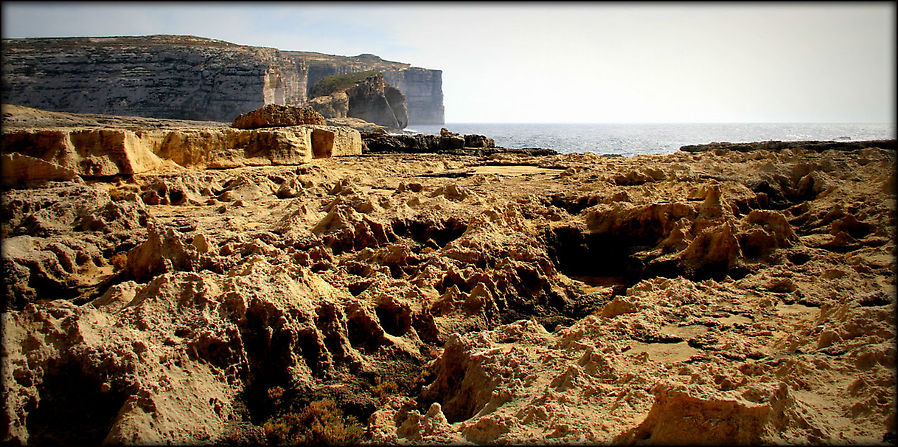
(186, 77)
(423, 90)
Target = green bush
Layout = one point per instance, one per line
(330, 84)
(319, 422)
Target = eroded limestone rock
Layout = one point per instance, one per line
(275, 115)
(513, 298)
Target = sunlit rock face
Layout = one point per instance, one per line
(185, 77)
(42, 153)
(156, 76)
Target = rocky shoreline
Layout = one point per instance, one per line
(721, 294)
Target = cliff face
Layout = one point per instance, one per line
(423, 90)
(157, 76)
(182, 77)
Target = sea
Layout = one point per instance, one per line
(636, 139)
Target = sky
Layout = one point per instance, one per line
(561, 62)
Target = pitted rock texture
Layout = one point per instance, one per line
(187, 77)
(721, 297)
(274, 115)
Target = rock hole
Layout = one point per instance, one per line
(573, 205)
(322, 143)
(596, 259)
(798, 257)
(176, 197)
(439, 232)
(364, 333)
(73, 409)
(268, 353)
(874, 299)
(357, 288)
(47, 287)
(394, 319)
(312, 354)
(773, 195)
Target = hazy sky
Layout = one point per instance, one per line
(577, 62)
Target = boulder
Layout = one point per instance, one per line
(413, 143)
(335, 141)
(479, 141)
(35, 155)
(453, 139)
(274, 115)
(335, 105)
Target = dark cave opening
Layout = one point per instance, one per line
(74, 408)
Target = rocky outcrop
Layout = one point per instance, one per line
(365, 128)
(63, 153)
(93, 153)
(776, 146)
(274, 115)
(86, 152)
(335, 141)
(370, 100)
(445, 143)
(324, 65)
(183, 77)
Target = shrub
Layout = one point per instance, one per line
(329, 84)
(319, 422)
(275, 394)
(384, 389)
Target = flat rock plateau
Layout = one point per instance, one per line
(179, 291)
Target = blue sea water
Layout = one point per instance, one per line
(636, 139)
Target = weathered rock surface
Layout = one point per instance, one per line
(37, 154)
(365, 128)
(721, 297)
(274, 115)
(187, 77)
